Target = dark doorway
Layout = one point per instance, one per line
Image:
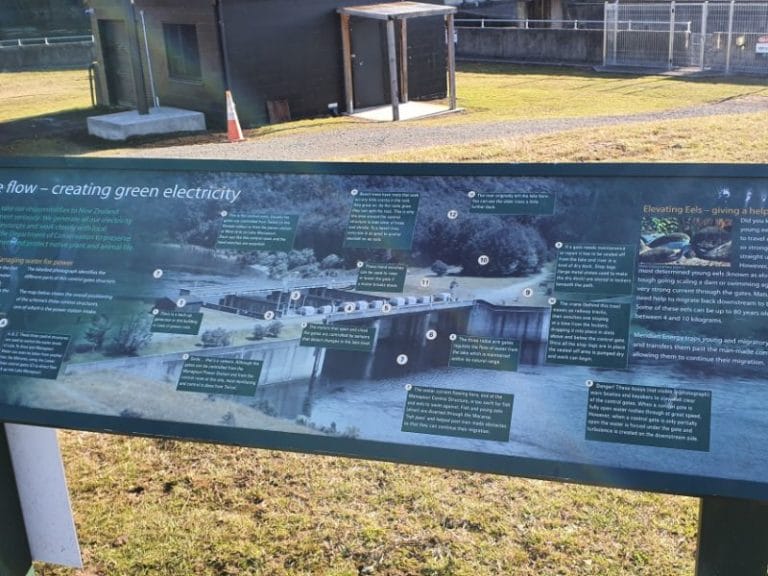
(370, 76)
(117, 62)
(427, 58)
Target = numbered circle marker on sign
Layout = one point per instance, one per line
(402, 359)
(425, 282)
(558, 245)
(354, 191)
(360, 263)
(295, 295)
(180, 303)
(471, 194)
(224, 213)
(453, 214)
(431, 334)
(3, 322)
(386, 308)
(483, 260)
(269, 315)
(408, 387)
(452, 337)
(528, 292)
(185, 356)
(349, 308)
(590, 383)
(552, 301)
(155, 311)
(157, 273)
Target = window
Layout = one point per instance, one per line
(182, 52)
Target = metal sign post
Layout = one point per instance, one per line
(43, 494)
(134, 48)
(15, 558)
(733, 537)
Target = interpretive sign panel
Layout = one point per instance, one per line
(604, 324)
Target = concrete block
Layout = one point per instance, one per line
(160, 120)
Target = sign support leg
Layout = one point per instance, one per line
(15, 558)
(733, 537)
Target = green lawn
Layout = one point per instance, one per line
(503, 92)
(27, 94)
(151, 507)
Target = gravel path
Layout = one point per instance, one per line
(366, 139)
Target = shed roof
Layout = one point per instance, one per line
(397, 10)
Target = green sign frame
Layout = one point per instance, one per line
(92, 248)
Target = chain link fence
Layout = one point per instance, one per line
(721, 37)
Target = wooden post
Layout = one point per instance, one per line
(733, 537)
(392, 57)
(403, 60)
(346, 47)
(451, 61)
(15, 558)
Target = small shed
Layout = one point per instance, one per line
(272, 54)
(396, 16)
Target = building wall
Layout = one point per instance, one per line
(291, 50)
(204, 95)
(533, 45)
(586, 11)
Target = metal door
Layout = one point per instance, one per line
(370, 75)
(117, 62)
(426, 58)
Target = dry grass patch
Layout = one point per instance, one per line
(731, 138)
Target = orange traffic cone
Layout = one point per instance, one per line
(234, 132)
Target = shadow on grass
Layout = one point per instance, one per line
(66, 133)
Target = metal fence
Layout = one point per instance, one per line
(46, 41)
(529, 24)
(715, 36)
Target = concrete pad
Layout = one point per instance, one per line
(160, 120)
(408, 111)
